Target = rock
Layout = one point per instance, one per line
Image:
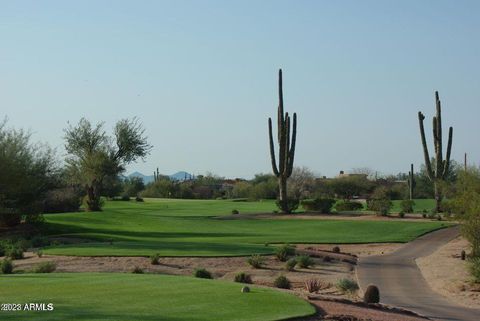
(245, 289)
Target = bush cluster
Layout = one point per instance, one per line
(45, 267)
(321, 205)
(347, 285)
(62, 200)
(290, 266)
(282, 282)
(407, 206)
(305, 261)
(348, 206)
(243, 277)
(6, 266)
(283, 252)
(292, 204)
(202, 273)
(256, 261)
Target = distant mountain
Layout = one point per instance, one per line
(178, 176)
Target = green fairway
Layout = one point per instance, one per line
(420, 205)
(188, 228)
(112, 296)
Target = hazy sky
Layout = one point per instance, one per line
(202, 77)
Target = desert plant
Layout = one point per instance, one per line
(137, 270)
(327, 258)
(348, 206)
(202, 273)
(322, 205)
(291, 204)
(290, 265)
(45, 267)
(14, 252)
(138, 199)
(256, 261)
(304, 261)
(474, 267)
(313, 285)
(6, 266)
(154, 259)
(438, 173)
(282, 282)
(283, 252)
(401, 214)
(235, 212)
(336, 249)
(347, 285)
(407, 206)
(372, 294)
(243, 277)
(463, 255)
(39, 253)
(286, 151)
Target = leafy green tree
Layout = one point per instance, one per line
(133, 186)
(93, 156)
(26, 174)
(349, 186)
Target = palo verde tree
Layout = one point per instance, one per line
(438, 171)
(286, 151)
(93, 156)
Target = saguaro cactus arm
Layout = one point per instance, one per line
(446, 165)
(272, 148)
(428, 164)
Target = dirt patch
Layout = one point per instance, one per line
(331, 310)
(448, 275)
(358, 250)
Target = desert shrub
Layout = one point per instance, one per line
(39, 253)
(125, 198)
(14, 252)
(372, 294)
(282, 282)
(463, 255)
(6, 266)
(407, 206)
(202, 273)
(322, 205)
(235, 212)
(348, 206)
(313, 285)
(290, 265)
(154, 259)
(474, 267)
(245, 289)
(327, 258)
(243, 277)
(347, 285)
(256, 261)
(381, 206)
(45, 267)
(401, 214)
(304, 261)
(23, 244)
(137, 270)
(62, 200)
(336, 249)
(283, 252)
(292, 204)
(138, 199)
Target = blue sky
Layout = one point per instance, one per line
(201, 76)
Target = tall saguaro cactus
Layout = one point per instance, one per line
(439, 170)
(286, 147)
(411, 182)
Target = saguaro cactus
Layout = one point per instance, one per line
(411, 182)
(439, 171)
(286, 149)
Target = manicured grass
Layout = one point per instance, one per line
(187, 228)
(420, 205)
(113, 296)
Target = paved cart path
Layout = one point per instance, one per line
(401, 283)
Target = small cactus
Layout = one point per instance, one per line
(336, 249)
(372, 294)
(463, 255)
